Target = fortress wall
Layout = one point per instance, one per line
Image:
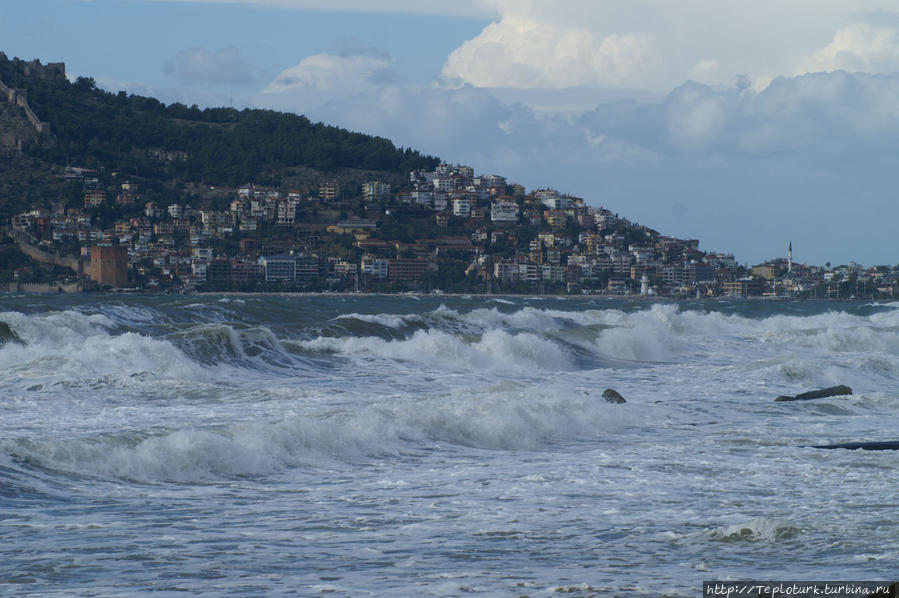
(45, 257)
(19, 97)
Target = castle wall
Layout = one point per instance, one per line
(19, 97)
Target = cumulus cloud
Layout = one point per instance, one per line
(816, 117)
(859, 46)
(522, 51)
(798, 114)
(330, 72)
(656, 44)
(199, 65)
(327, 78)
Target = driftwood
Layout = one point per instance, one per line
(833, 391)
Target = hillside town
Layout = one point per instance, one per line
(447, 230)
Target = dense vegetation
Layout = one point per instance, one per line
(141, 136)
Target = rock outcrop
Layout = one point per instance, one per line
(612, 396)
(832, 391)
(888, 445)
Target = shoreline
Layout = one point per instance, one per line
(629, 297)
(633, 297)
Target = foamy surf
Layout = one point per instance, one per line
(68, 346)
(439, 445)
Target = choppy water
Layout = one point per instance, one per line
(439, 446)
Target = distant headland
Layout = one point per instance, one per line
(107, 191)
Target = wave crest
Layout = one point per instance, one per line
(503, 418)
(493, 350)
(67, 346)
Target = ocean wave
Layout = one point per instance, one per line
(648, 335)
(761, 529)
(70, 346)
(256, 347)
(386, 320)
(495, 350)
(661, 333)
(496, 419)
(385, 326)
(185, 339)
(7, 335)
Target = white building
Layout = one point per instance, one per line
(375, 267)
(443, 184)
(425, 198)
(462, 207)
(504, 211)
(375, 191)
(279, 267)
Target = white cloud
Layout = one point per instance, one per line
(695, 117)
(808, 114)
(859, 46)
(324, 73)
(705, 71)
(657, 44)
(522, 52)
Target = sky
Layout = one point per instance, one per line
(746, 125)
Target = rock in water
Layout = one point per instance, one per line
(833, 391)
(612, 396)
(889, 445)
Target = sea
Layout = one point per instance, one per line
(366, 445)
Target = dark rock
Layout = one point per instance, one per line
(891, 445)
(7, 335)
(833, 391)
(612, 396)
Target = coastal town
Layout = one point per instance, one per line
(158, 205)
(446, 230)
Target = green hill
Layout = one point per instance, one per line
(143, 137)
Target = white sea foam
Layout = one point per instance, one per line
(663, 332)
(496, 350)
(460, 435)
(488, 420)
(387, 320)
(760, 529)
(70, 346)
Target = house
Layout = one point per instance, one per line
(375, 191)
(406, 269)
(504, 211)
(375, 267)
(350, 227)
(279, 267)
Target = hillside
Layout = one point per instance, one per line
(122, 191)
(140, 136)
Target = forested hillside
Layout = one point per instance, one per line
(142, 136)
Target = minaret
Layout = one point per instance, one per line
(790, 259)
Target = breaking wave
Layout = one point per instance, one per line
(501, 419)
(70, 346)
(493, 350)
(198, 342)
(760, 529)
